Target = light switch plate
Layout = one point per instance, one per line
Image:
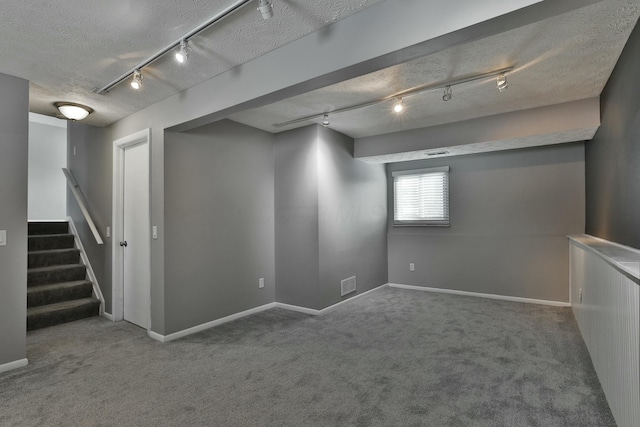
(154, 231)
(3, 237)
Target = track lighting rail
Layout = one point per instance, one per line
(431, 87)
(213, 20)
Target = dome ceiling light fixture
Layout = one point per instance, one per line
(73, 111)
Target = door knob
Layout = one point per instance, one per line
(123, 243)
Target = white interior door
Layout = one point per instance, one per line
(136, 235)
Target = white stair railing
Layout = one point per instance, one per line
(75, 189)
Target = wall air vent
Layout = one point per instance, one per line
(347, 286)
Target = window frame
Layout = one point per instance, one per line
(427, 222)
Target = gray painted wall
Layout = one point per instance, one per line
(330, 218)
(296, 211)
(329, 57)
(219, 223)
(510, 214)
(613, 156)
(47, 185)
(352, 218)
(92, 167)
(14, 142)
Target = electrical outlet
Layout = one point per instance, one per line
(412, 267)
(580, 295)
(261, 282)
(154, 231)
(3, 237)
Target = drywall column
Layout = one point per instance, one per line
(352, 218)
(330, 218)
(296, 211)
(14, 143)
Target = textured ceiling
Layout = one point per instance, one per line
(66, 49)
(560, 59)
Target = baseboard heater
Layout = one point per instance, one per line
(605, 285)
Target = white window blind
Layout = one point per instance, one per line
(421, 197)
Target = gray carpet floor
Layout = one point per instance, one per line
(391, 358)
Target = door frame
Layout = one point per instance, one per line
(119, 146)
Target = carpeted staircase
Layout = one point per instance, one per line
(57, 289)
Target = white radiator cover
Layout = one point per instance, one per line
(609, 322)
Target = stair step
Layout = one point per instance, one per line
(58, 292)
(47, 242)
(55, 274)
(48, 227)
(53, 257)
(55, 314)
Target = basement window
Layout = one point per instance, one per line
(421, 197)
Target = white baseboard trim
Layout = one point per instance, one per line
(297, 308)
(156, 336)
(108, 316)
(174, 336)
(13, 365)
(325, 310)
(480, 295)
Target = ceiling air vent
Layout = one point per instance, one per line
(436, 153)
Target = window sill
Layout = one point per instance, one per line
(418, 224)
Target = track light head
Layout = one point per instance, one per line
(325, 122)
(183, 54)
(501, 82)
(398, 107)
(448, 94)
(136, 82)
(266, 9)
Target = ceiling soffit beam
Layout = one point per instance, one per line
(570, 120)
(340, 52)
(420, 90)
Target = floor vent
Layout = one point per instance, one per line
(347, 286)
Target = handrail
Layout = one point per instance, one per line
(75, 189)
